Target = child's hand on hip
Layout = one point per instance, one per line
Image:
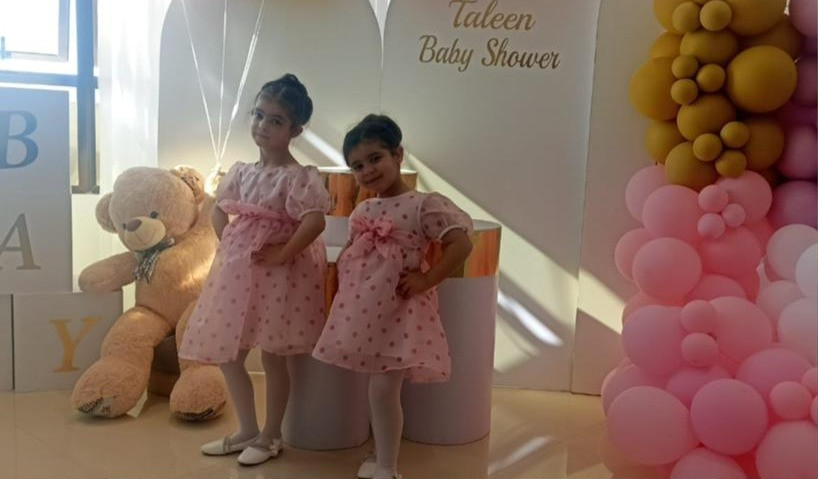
(412, 283)
(269, 255)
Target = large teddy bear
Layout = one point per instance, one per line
(163, 218)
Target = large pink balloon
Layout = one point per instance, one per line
(623, 378)
(666, 268)
(637, 301)
(736, 254)
(652, 339)
(798, 328)
(803, 14)
(626, 249)
(799, 160)
(806, 272)
(702, 463)
(743, 329)
(795, 203)
(751, 191)
(764, 369)
(673, 211)
(650, 426)
(785, 247)
(728, 416)
(788, 451)
(806, 89)
(686, 382)
(790, 400)
(642, 184)
(713, 286)
(776, 296)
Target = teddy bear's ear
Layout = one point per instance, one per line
(193, 179)
(103, 214)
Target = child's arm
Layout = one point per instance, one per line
(220, 220)
(456, 248)
(312, 225)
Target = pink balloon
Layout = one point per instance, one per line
(652, 339)
(764, 369)
(672, 211)
(735, 254)
(713, 199)
(621, 379)
(711, 225)
(702, 463)
(728, 416)
(699, 316)
(799, 160)
(751, 191)
(700, 350)
(803, 14)
(626, 249)
(788, 451)
(776, 296)
(666, 268)
(810, 380)
(642, 184)
(785, 247)
(650, 426)
(751, 284)
(733, 215)
(761, 230)
(637, 301)
(795, 203)
(713, 286)
(790, 400)
(806, 90)
(806, 272)
(743, 329)
(728, 364)
(798, 328)
(795, 114)
(686, 382)
(813, 410)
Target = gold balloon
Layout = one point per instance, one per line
(650, 89)
(707, 147)
(735, 134)
(686, 17)
(708, 114)
(683, 168)
(684, 67)
(684, 91)
(751, 17)
(660, 138)
(711, 78)
(666, 45)
(766, 142)
(783, 35)
(761, 79)
(716, 15)
(663, 10)
(731, 163)
(710, 47)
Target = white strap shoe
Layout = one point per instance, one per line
(257, 453)
(367, 468)
(222, 447)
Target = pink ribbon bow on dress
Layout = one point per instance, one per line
(379, 234)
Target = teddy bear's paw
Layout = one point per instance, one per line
(199, 416)
(100, 407)
(109, 388)
(200, 394)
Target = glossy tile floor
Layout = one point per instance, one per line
(534, 435)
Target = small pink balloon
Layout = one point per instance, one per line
(713, 199)
(666, 269)
(743, 329)
(806, 90)
(798, 328)
(702, 463)
(803, 14)
(764, 369)
(672, 211)
(699, 316)
(626, 249)
(788, 451)
(620, 380)
(799, 160)
(751, 191)
(810, 380)
(785, 247)
(761, 230)
(713, 286)
(790, 400)
(735, 254)
(652, 339)
(642, 184)
(728, 416)
(700, 350)
(795, 114)
(773, 298)
(734, 215)
(650, 426)
(806, 272)
(684, 383)
(637, 301)
(795, 203)
(711, 226)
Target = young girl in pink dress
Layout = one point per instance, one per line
(384, 319)
(266, 285)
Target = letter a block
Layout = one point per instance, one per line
(57, 336)
(6, 349)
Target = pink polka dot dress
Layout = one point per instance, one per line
(244, 304)
(370, 328)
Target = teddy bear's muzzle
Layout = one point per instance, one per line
(142, 233)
